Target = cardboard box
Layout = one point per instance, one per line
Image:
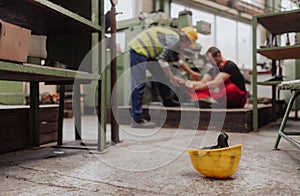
(37, 46)
(14, 42)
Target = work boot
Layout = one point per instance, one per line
(203, 104)
(209, 103)
(171, 103)
(142, 123)
(222, 142)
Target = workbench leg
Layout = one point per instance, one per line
(285, 117)
(61, 114)
(77, 110)
(34, 120)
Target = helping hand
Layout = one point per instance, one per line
(195, 76)
(175, 81)
(189, 85)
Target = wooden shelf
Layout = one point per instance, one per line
(29, 72)
(280, 53)
(44, 17)
(281, 22)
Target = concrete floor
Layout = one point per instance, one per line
(151, 162)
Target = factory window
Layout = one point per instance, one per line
(232, 37)
(288, 5)
(126, 7)
(244, 50)
(227, 37)
(256, 3)
(175, 9)
(206, 41)
(251, 1)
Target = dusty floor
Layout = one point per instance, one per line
(151, 162)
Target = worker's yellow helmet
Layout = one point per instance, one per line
(217, 163)
(190, 33)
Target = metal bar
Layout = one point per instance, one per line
(254, 75)
(101, 115)
(274, 68)
(292, 133)
(290, 140)
(102, 86)
(34, 120)
(77, 110)
(61, 114)
(114, 106)
(102, 112)
(274, 112)
(75, 147)
(98, 43)
(44, 73)
(237, 41)
(286, 116)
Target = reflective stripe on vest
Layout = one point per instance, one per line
(153, 44)
(144, 46)
(148, 44)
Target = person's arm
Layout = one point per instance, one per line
(219, 79)
(187, 69)
(206, 78)
(175, 81)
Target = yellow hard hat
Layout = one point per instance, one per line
(190, 33)
(217, 163)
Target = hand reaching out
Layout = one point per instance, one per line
(195, 76)
(175, 81)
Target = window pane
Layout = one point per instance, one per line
(126, 7)
(175, 9)
(288, 5)
(244, 45)
(206, 41)
(226, 38)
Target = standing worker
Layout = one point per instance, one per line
(162, 44)
(227, 87)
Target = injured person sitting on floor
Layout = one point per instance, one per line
(223, 85)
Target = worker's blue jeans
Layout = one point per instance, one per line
(139, 64)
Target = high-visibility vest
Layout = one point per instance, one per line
(151, 42)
